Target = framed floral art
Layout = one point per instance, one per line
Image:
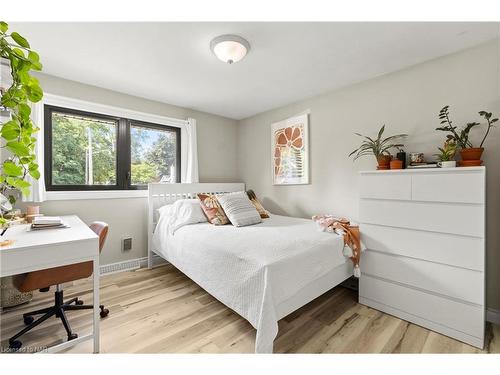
(290, 150)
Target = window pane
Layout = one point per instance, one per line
(153, 155)
(83, 150)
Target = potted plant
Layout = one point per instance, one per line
(471, 156)
(17, 129)
(17, 89)
(447, 154)
(378, 147)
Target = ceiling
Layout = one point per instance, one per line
(172, 62)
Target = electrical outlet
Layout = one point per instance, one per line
(127, 243)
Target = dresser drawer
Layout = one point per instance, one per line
(460, 187)
(462, 317)
(449, 281)
(385, 186)
(443, 217)
(461, 251)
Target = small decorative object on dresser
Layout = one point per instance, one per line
(417, 158)
(401, 155)
(471, 156)
(378, 147)
(424, 262)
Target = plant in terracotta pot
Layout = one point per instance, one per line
(471, 156)
(396, 164)
(378, 147)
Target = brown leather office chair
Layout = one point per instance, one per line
(44, 279)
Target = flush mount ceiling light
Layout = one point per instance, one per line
(229, 48)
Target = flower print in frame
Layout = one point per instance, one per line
(290, 151)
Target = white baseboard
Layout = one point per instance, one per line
(129, 265)
(493, 316)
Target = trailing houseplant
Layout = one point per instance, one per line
(17, 130)
(378, 147)
(470, 154)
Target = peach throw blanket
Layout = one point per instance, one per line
(352, 236)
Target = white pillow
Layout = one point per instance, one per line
(239, 209)
(182, 212)
(164, 210)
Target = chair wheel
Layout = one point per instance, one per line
(72, 336)
(28, 320)
(104, 313)
(15, 345)
(79, 302)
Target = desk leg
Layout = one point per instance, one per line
(96, 304)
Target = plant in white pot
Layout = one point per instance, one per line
(16, 128)
(446, 155)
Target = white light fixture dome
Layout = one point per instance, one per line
(229, 48)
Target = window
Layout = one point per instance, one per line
(90, 151)
(153, 152)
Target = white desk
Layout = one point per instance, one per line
(43, 249)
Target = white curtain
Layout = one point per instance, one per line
(189, 152)
(37, 189)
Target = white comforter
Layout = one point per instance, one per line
(252, 269)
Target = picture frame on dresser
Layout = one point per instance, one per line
(425, 236)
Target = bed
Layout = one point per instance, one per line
(263, 272)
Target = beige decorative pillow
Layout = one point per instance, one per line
(260, 208)
(212, 209)
(238, 208)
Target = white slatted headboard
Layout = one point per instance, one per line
(162, 194)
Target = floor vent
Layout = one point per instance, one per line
(127, 265)
(130, 265)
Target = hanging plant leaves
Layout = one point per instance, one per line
(11, 169)
(24, 110)
(10, 130)
(20, 40)
(17, 134)
(18, 148)
(33, 171)
(34, 92)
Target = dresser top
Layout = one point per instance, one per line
(427, 170)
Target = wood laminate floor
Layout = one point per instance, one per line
(162, 311)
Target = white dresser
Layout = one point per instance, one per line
(425, 236)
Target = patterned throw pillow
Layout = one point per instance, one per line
(213, 210)
(238, 208)
(260, 208)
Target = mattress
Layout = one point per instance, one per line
(255, 268)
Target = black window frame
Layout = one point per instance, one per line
(123, 149)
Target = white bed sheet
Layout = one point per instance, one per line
(252, 269)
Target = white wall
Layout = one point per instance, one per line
(216, 154)
(407, 101)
